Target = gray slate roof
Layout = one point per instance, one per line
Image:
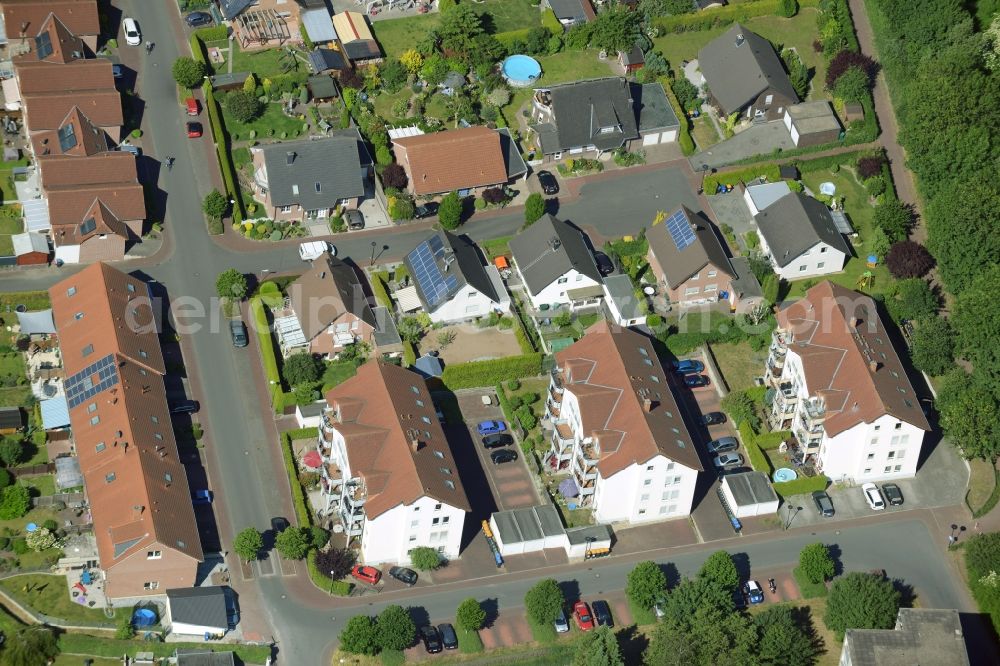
(362, 49)
(322, 86)
(233, 8)
(745, 283)
(205, 606)
(204, 657)
(530, 524)
(795, 223)
(749, 488)
(737, 74)
(467, 267)
(582, 108)
(679, 265)
(332, 163)
(568, 10)
(324, 60)
(542, 261)
(921, 636)
(655, 112)
(11, 417)
(620, 290)
(511, 155)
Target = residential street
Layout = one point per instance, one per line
(244, 462)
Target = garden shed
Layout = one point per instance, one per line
(197, 611)
(749, 494)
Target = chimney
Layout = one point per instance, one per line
(414, 444)
(873, 365)
(137, 510)
(647, 404)
(854, 322)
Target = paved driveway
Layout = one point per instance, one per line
(760, 139)
(729, 208)
(510, 483)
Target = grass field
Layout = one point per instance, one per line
(44, 484)
(982, 481)
(862, 216)
(703, 132)
(496, 246)
(338, 372)
(738, 364)
(49, 594)
(273, 118)
(797, 32)
(262, 63)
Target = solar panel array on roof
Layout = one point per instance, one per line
(680, 229)
(81, 387)
(433, 283)
(43, 45)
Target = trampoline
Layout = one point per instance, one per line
(521, 70)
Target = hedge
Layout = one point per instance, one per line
(222, 150)
(476, 374)
(504, 403)
(268, 358)
(339, 587)
(684, 133)
(828, 162)
(380, 281)
(198, 51)
(511, 36)
(409, 353)
(298, 494)
(214, 34)
(713, 180)
(722, 16)
(772, 440)
(550, 21)
(96, 646)
(801, 486)
(757, 458)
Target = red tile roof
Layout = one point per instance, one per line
(848, 359)
(36, 77)
(380, 412)
(452, 160)
(28, 16)
(48, 110)
(625, 399)
(135, 482)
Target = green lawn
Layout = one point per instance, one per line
(512, 14)
(560, 68)
(11, 371)
(861, 214)
(273, 118)
(338, 372)
(703, 132)
(10, 220)
(241, 156)
(797, 32)
(44, 484)
(738, 364)
(262, 63)
(49, 594)
(496, 246)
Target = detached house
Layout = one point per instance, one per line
(326, 310)
(451, 283)
(465, 160)
(388, 474)
(311, 179)
(689, 261)
(618, 430)
(800, 237)
(571, 12)
(556, 265)
(745, 75)
(842, 389)
(136, 485)
(589, 118)
(24, 20)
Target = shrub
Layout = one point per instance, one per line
(14, 502)
(847, 60)
(534, 208)
(450, 211)
(870, 165)
(339, 561)
(495, 196)
(5, 478)
(19, 546)
(479, 204)
(741, 409)
(908, 259)
(215, 204)
(244, 107)
(787, 8)
(425, 558)
(894, 218)
(383, 155)
(188, 72)
(393, 175)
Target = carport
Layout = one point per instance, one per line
(749, 494)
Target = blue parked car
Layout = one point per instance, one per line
(753, 592)
(201, 497)
(490, 427)
(688, 366)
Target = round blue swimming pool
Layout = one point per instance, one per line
(784, 474)
(521, 70)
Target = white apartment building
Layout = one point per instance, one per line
(388, 475)
(841, 388)
(617, 430)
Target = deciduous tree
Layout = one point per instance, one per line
(30, 646)
(188, 72)
(412, 61)
(598, 648)
(14, 502)
(544, 601)
(932, 345)
(908, 259)
(534, 208)
(336, 562)
(243, 106)
(970, 415)
(913, 299)
(394, 175)
(248, 544)
(470, 615)
(359, 636)
(720, 568)
(231, 284)
(215, 205)
(815, 562)
(394, 629)
(861, 601)
(782, 638)
(646, 584)
(292, 543)
(894, 218)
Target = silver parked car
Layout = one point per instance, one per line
(727, 460)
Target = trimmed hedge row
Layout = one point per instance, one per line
(684, 133)
(214, 34)
(828, 162)
(488, 373)
(713, 180)
(758, 460)
(98, 646)
(722, 16)
(801, 485)
(380, 281)
(222, 150)
(772, 440)
(298, 494)
(268, 358)
(409, 353)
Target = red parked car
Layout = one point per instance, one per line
(581, 613)
(365, 574)
(192, 106)
(194, 130)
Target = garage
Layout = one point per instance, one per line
(530, 530)
(197, 611)
(749, 494)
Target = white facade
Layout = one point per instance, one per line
(199, 630)
(427, 522)
(820, 259)
(885, 449)
(555, 293)
(658, 489)
(469, 302)
(389, 536)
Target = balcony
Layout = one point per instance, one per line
(557, 383)
(815, 409)
(583, 472)
(563, 434)
(587, 488)
(555, 395)
(553, 410)
(589, 454)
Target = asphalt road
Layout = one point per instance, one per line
(245, 482)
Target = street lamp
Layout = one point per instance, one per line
(331, 581)
(586, 552)
(792, 512)
(371, 262)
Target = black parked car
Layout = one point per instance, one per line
(548, 182)
(404, 575)
(427, 210)
(431, 638)
(196, 19)
(448, 637)
(497, 440)
(503, 456)
(892, 493)
(602, 613)
(604, 264)
(186, 407)
(713, 418)
(823, 504)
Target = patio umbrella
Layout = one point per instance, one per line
(568, 488)
(312, 460)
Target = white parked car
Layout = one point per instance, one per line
(873, 496)
(131, 29)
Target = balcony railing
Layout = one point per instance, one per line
(585, 488)
(563, 433)
(553, 409)
(555, 396)
(589, 454)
